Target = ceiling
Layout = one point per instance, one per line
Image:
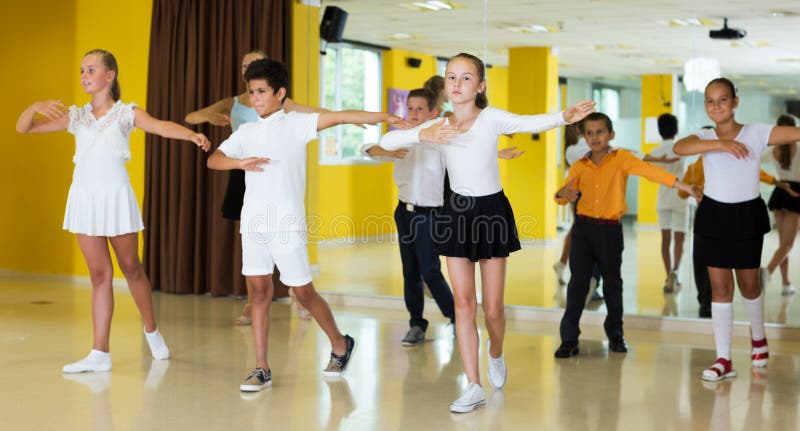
(598, 38)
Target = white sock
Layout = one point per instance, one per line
(722, 318)
(755, 312)
(98, 355)
(158, 347)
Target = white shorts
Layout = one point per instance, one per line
(676, 220)
(288, 250)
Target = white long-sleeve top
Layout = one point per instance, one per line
(471, 158)
(419, 175)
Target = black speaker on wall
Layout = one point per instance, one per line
(331, 28)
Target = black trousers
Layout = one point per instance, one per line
(421, 263)
(703, 282)
(601, 245)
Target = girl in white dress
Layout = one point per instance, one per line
(101, 205)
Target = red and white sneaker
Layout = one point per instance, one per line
(760, 353)
(722, 369)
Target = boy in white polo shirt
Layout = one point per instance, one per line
(272, 151)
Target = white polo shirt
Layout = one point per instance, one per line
(274, 199)
(471, 158)
(733, 180)
(419, 175)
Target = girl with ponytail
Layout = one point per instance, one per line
(101, 205)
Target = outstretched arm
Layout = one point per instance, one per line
(334, 118)
(217, 114)
(290, 105)
(782, 135)
(220, 162)
(56, 118)
(168, 129)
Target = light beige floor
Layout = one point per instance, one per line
(372, 267)
(656, 386)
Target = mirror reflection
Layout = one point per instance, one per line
(635, 69)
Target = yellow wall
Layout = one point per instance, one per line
(530, 181)
(36, 188)
(656, 100)
(36, 169)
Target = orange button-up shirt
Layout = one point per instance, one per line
(695, 176)
(603, 186)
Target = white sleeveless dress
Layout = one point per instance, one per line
(101, 201)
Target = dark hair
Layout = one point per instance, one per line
(481, 101)
(785, 151)
(425, 94)
(724, 81)
(667, 126)
(434, 84)
(597, 116)
(274, 72)
(111, 64)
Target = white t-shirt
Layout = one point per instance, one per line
(667, 198)
(419, 175)
(471, 158)
(733, 180)
(274, 198)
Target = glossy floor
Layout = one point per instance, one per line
(387, 387)
(372, 267)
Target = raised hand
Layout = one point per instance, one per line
(735, 148)
(398, 123)
(201, 141)
(509, 153)
(579, 111)
(568, 192)
(439, 133)
(253, 164)
(52, 109)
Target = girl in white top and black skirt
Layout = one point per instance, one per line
(477, 224)
(732, 218)
(785, 207)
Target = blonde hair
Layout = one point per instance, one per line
(111, 64)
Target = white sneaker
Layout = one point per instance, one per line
(764, 276)
(158, 347)
(788, 289)
(497, 369)
(669, 285)
(471, 399)
(93, 362)
(559, 267)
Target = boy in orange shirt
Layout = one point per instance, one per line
(600, 177)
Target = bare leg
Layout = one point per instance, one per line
(462, 278)
(126, 248)
(787, 232)
(721, 284)
(678, 249)
(98, 259)
(260, 287)
(666, 238)
(493, 280)
(322, 314)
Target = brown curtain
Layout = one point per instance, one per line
(196, 48)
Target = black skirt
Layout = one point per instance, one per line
(476, 227)
(780, 200)
(234, 195)
(730, 235)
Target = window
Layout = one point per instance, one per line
(351, 79)
(607, 101)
